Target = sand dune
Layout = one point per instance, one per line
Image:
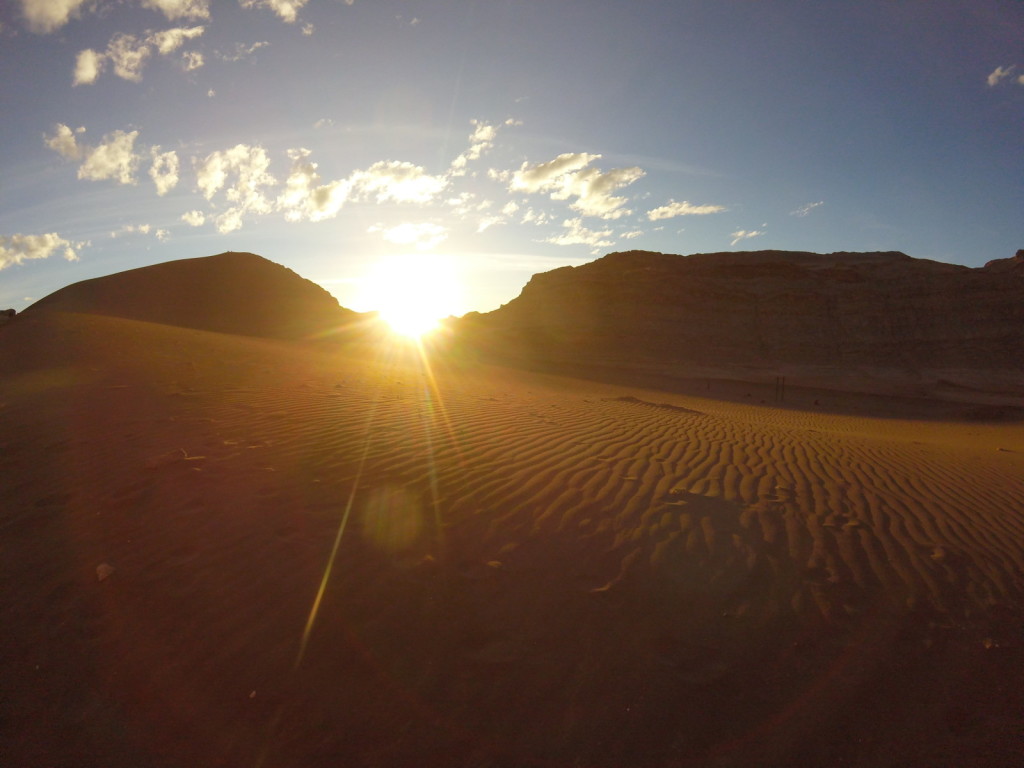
(533, 569)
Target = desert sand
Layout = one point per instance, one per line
(229, 551)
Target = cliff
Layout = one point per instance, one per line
(767, 308)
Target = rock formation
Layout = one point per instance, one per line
(239, 293)
(767, 308)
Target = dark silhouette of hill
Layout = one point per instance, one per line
(763, 309)
(237, 293)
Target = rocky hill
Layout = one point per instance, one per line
(239, 293)
(767, 308)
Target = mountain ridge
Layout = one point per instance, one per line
(765, 308)
(232, 292)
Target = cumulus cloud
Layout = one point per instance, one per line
(164, 170)
(803, 210)
(161, 234)
(673, 209)
(397, 181)
(423, 236)
(576, 234)
(246, 168)
(480, 140)
(304, 197)
(192, 60)
(999, 73)
(287, 10)
(114, 158)
(194, 218)
(743, 234)
(594, 189)
(128, 54)
(537, 218)
(568, 175)
(15, 249)
(88, 66)
(63, 142)
(538, 178)
(169, 40)
(45, 16)
(180, 9)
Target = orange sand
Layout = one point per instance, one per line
(534, 570)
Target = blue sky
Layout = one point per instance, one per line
(500, 138)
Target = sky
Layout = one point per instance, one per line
(484, 141)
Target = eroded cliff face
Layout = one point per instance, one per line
(770, 308)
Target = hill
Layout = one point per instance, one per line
(767, 308)
(237, 293)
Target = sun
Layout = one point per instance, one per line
(413, 292)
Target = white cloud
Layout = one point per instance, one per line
(489, 221)
(673, 209)
(803, 210)
(998, 74)
(47, 15)
(161, 234)
(308, 29)
(743, 234)
(229, 221)
(164, 170)
(576, 234)
(169, 40)
(14, 249)
(323, 122)
(88, 67)
(114, 159)
(287, 10)
(480, 141)
(180, 9)
(247, 166)
(63, 142)
(130, 229)
(423, 236)
(194, 218)
(543, 176)
(536, 217)
(241, 51)
(304, 197)
(128, 54)
(192, 60)
(568, 176)
(397, 181)
(593, 190)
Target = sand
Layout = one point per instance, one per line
(532, 569)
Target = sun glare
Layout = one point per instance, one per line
(413, 292)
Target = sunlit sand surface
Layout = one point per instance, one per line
(535, 570)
